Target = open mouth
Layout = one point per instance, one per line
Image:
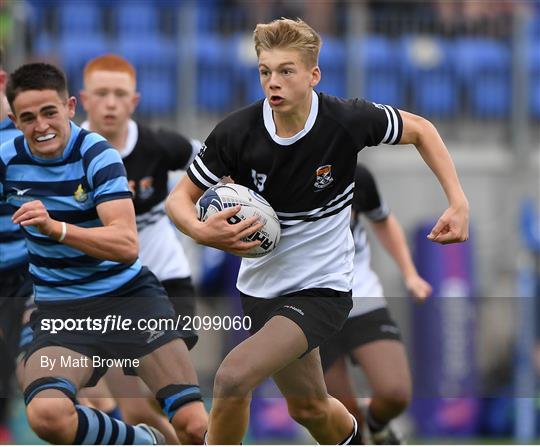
(44, 138)
(276, 100)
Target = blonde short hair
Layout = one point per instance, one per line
(290, 34)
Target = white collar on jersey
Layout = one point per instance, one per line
(131, 141)
(271, 126)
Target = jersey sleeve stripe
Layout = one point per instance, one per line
(109, 172)
(93, 152)
(388, 127)
(395, 123)
(113, 196)
(204, 170)
(198, 179)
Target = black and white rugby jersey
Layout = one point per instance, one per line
(148, 156)
(367, 289)
(307, 178)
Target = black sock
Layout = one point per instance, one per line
(373, 424)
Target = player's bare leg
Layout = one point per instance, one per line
(275, 347)
(98, 397)
(339, 385)
(385, 365)
(302, 384)
(157, 370)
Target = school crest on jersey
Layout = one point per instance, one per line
(80, 195)
(258, 180)
(146, 188)
(324, 176)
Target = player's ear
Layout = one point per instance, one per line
(71, 106)
(315, 76)
(136, 99)
(13, 118)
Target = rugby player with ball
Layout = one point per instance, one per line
(297, 149)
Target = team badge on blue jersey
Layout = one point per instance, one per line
(146, 188)
(324, 176)
(80, 194)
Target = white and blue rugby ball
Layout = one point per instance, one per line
(222, 196)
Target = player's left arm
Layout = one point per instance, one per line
(390, 234)
(453, 225)
(116, 240)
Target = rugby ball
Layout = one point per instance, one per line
(222, 196)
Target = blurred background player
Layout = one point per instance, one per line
(109, 98)
(370, 336)
(15, 282)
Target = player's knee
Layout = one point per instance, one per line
(190, 423)
(308, 412)
(51, 419)
(231, 382)
(397, 396)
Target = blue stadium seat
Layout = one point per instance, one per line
(215, 81)
(44, 44)
(137, 19)
(155, 59)
(151, 51)
(332, 63)
(427, 65)
(207, 16)
(383, 82)
(158, 92)
(246, 72)
(534, 77)
(80, 18)
(483, 67)
(76, 51)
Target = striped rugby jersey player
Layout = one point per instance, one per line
(88, 173)
(12, 245)
(307, 178)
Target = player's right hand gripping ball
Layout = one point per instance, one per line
(220, 197)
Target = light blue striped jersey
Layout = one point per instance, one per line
(12, 245)
(88, 173)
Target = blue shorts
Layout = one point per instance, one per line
(142, 299)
